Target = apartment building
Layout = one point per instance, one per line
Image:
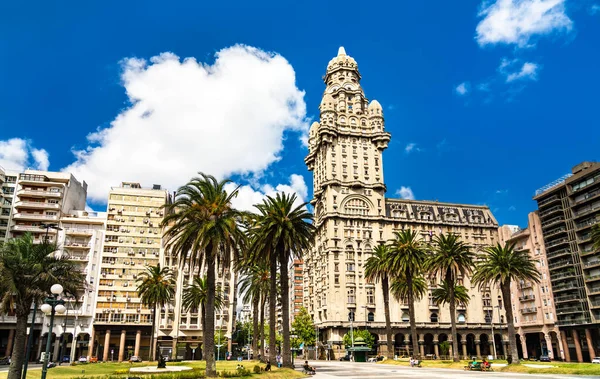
(535, 315)
(352, 216)
(80, 237)
(8, 182)
(40, 200)
(296, 288)
(568, 208)
(132, 242)
(180, 330)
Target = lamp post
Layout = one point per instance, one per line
(48, 227)
(51, 305)
(219, 342)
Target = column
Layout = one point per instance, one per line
(54, 356)
(422, 347)
(436, 348)
(39, 350)
(9, 345)
(174, 353)
(106, 346)
(464, 348)
(91, 344)
(523, 347)
(478, 348)
(565, 346)
(588, 338)
(122, 345)
(575, 335)
(138, 339)
(450, 351)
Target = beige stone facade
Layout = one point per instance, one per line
(535, 315)
(353, 216)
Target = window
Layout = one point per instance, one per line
(371, 317)
(370, 296)
(405, 317)
(336, 267)
(336, 279)
(356, 207)
(434, 317)
(351, 296)
(350, 267)
(461, 318)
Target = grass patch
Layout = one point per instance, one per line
(558, 367)
(120, 370)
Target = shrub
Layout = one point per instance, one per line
(257, 369)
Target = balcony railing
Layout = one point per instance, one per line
(587, 210)
(546, 212)
(563, 287)
(36, 204)
(587, 196)
(560, 310)
(557, 242)
(549, 200)
(566, 298)
(552, 221)
(528, 310)
(527, 298)
(30, 192)
(558, 264)
(558, 253)
(573, 321)
(562, 275)
(555, 231)
(592, 278)
(33, 216)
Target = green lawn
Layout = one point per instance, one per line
(558, 367)
(101, 370)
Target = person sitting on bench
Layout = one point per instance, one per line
(309, 369)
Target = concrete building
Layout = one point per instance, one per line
(296, 288)
(180, 330)
(353, 216)
(41, 198)
(80, 240)
(133, 241)
(535, 316)
(568, 208)
(8, 182)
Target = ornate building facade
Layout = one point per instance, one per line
(353, 216)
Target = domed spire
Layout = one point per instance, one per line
(341, 51)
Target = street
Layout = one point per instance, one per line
(354, 370)
(32, 366)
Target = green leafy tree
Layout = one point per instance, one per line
(202, 226)
(444, 347)
(281, 231)
(451, 259)
(195, 297)
(378, 268)
(155, 287)
(596, 236)
(359, 333)
(407, 259)
(500, 265)
(27, 271)
(304, 328)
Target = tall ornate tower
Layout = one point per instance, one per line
(345, 155)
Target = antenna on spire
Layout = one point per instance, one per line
(341, 51)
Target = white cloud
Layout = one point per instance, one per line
(528, 70)
(248, 196)
(512, 208)
(405, 193)
(595, 8)
(411, 147)
(517, 21)
(18, 155)
(187, 116)
(462, 89)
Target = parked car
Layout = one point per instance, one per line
(93, 360)
(135, 358)
(82, 359)
(544, 358)
(596, 360)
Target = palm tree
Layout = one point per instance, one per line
(400, 288)
(596, 236)
(500, 265)
(407, 258)
(254, 285)
(444, 292)
(203, 227)
(195, 297)
(377, 268)
(155, 287)
(282, 231)
(28, 270)
(451, 259)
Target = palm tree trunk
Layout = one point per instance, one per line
(255, 321)
(209, 351)
(411, 313)
(152, 352)
(272, 313)
(453, 319)
(18, 354)
(285, 310)
(262, 325)
(510, 321)
(388, 325)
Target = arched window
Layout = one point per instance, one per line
(356, 207)
(371, 317)
(405, 317)
(461, 318)
(434, 317)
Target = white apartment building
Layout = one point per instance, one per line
(8, 183)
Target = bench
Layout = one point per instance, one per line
(478, 366)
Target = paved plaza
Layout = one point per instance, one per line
(354, 370)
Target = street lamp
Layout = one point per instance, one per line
(219, 342)
(48, 227)
(52, 305)
(491, 319)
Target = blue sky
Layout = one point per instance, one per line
(486, 101)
